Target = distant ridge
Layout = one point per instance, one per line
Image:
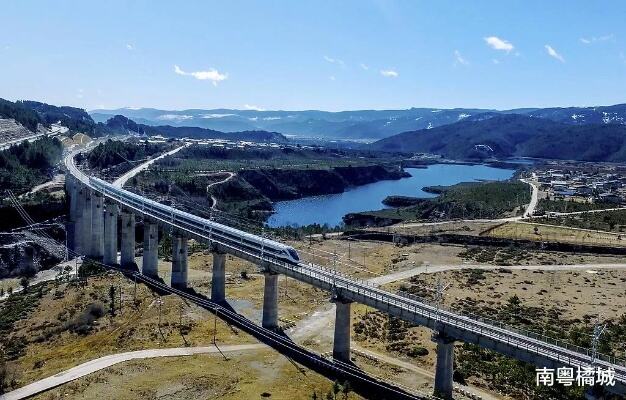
(509, 135)
(359, 124)
(33, 114)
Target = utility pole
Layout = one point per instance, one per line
(215, 326)
(334, 269)
(135, 292)
(439, 294)
(598, 330)
(349, 253)
(160, 303)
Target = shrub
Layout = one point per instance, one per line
(83, 322)
(417, 351)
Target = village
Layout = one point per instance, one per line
(583, 182)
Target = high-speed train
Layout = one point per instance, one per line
(222, 234)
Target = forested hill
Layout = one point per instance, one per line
(513, 135)
(76, 119)
(19, 113)
(32, 113)
(121, 125)
(202, 133)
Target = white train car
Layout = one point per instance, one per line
(214, 231)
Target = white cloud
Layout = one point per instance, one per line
(80, 93)
(335, 61)
(332, 77)
(364, 66)
(253, 107)
(130, 46)
(499, 44)
(495, 61)
(595, 39)
(174, 117)
(389, 73)
(622, 57)
(211, 75)
(553, 53)
(459, 58)
(213, 116)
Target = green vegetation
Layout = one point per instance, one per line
(262, 174)
(17, 307)
(336, 392)
(20, 113)
(508, 135)
(83, 323)
(508, 256)
(218, 158)
(76, 119)
(463, 200)
(610, 221)
(28, 164)
(90, 268)
(393, 332)
(509, 376)
(570, 206)
(114, 152)
(517, 378)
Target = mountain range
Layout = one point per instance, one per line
(356, 125)
(511, 135)
(32, 115)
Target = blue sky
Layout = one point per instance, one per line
(330, 55)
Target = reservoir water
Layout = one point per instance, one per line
(329, 209)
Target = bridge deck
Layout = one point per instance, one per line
(525, 346)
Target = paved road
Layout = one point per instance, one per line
(421, 371)
(57, 180)
(107, 361)
(534, 197)
(119, 182)
(431, 269)
(213, 198)
(589, 211)
(45, 276)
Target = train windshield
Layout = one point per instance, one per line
(293, 254)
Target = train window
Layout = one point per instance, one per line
(293, 254)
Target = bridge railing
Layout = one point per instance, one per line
(526, 332)
(550, 347)
(446, 314)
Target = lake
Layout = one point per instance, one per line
(329, 209)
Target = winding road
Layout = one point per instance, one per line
(229, 177)
(107, 361)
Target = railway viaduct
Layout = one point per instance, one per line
(97, 207)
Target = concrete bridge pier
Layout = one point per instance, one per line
(179, 262)
(110, 233)
(445, 366)
(127, 257)
(341, 342)
(97, 226)
(71, 189)
(79, 226)
(28, 261)
(270, 301)
(218, 278)
(150, 266)
(85, 222)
